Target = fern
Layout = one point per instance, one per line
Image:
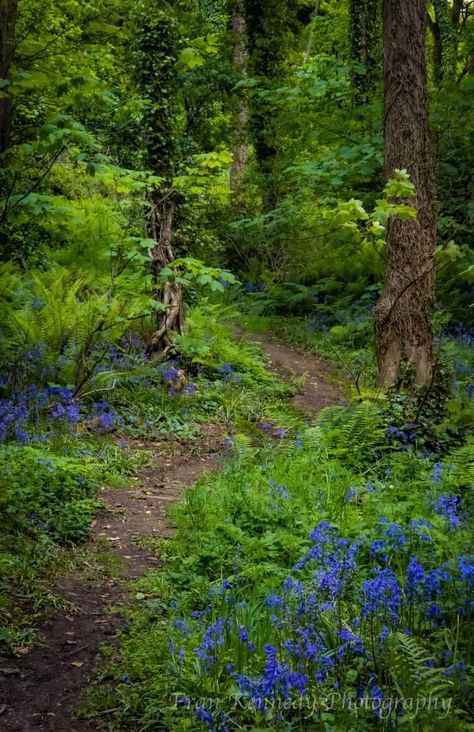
(355, 434)
(410, 668)
(463, 459)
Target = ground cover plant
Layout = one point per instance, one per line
(310, 586)
(177, 181)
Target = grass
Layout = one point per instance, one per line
(238, 535)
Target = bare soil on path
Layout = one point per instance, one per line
(40, 691)
(319, 386)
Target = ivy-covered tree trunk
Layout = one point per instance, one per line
(365, 46)
(8, 14)
(309, 45)
(267, 28)
(445, 41)
(404, 312)
(157, 73)
(241, 113)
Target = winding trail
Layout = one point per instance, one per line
(41, 690)
(319, 388)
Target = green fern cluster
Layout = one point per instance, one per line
(424, 688)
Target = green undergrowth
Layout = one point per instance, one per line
(331, 564)
(58, 449)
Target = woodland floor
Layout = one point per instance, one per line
(41, 689)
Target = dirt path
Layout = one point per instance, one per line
(320, 388)
(41, 690)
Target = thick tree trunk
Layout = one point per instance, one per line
(403, 314)
(241, 114)
(8, 13)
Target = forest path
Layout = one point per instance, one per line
(41, 690)
(319, 387)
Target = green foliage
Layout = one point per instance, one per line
(56, 494)
(239, 533)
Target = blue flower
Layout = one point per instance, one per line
(447, 506)
(182, 626)
(202, 715)
(395, 533)
(466, 570)
(273, 601)
(433, 582)
(243, 635)
(415, 576)
(350, 495)
(170, 374)
(278, 488)
(417, 525)
(382, 595)
(376, 547)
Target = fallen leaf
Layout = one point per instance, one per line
(77, 664)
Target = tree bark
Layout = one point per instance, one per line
(158, 78)
(364, 37)
(445, 42)
(403, 314)
(8, 14)
(309, 45)
(170, 294)
(241, 114)
(267, 30)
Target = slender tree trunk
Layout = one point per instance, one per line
(445, 42)
(8, 14)
(157, 74)
(267, 29)
(404, 312)
(309, 46)
(364, 37)
(170, 294)
(241, 114)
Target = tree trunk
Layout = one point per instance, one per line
(170, 294)
(240, 152)
(267, 31)
(158, 78)
(445, 42)
(309, 45)
(403, 314)
(364, 37)
(8, 13)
